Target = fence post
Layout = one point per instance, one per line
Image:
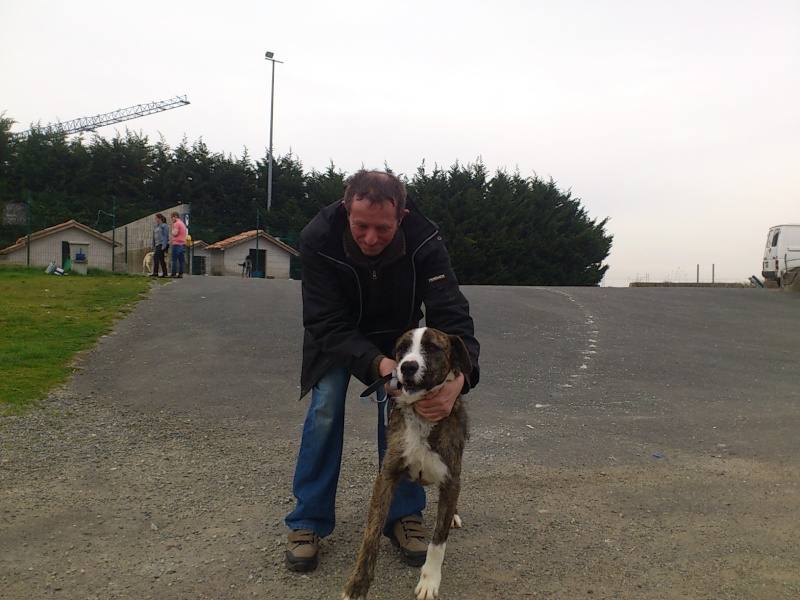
(28, 244)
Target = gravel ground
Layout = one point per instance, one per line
(596, 488)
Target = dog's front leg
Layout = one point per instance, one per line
(364, 569)
(431, 576)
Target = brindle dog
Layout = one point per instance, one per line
(427, 452)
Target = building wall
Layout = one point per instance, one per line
(49, 249)
(228, 262)
(136, 238)
(198, 251)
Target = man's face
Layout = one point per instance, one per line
(373, 226)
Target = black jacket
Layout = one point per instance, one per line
(336, 293)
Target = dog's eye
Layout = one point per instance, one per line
(431, 348)
(402, 349)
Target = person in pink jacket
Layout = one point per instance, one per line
(178, 246)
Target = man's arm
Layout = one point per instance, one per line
(331, 319)
(446, 308)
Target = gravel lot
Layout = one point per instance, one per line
(625, 444)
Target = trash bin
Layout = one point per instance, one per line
(79, 258)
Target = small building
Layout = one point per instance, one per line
(268, 256)
(71, 246)
(198, 258)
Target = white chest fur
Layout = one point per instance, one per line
(424, 465)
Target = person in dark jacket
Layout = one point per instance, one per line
(370, 262)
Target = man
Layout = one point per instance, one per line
(369, 262)
(178, 245)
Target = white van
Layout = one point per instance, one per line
(782, 253)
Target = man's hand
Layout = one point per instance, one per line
(385, 368)
(437, 405)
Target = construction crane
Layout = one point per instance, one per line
(118, 116)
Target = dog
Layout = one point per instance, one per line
(426, 452)
(147, 263)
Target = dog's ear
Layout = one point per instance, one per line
(459, 357)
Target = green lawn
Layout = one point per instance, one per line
(45, 320)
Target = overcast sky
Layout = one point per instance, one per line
(678, 119)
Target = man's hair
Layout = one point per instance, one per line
(175, 213)
(376, 186)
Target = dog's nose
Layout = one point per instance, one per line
(408, 369)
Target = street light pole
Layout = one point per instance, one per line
(270, 57)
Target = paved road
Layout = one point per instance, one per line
(655, 367)
(626, 443)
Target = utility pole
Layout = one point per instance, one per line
(269, 56)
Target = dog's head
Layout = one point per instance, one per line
(426, 358)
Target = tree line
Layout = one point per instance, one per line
(502, 229)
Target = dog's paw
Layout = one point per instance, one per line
(428, 586)
(354, 592)
(456, 524)
(431, 575)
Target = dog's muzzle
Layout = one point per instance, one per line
(409, 370)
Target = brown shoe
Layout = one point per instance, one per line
(302, 551)
(410, 536)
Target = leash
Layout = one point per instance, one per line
(379, 383)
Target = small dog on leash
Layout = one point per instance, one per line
(147, 263)
(427, 452)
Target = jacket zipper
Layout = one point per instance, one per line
(355, 276)
(414, 273)
(375, 276)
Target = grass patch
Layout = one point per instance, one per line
(45, 320)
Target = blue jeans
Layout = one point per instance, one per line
(178, 258)
(316, 475)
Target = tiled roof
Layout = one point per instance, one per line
(20, 243)
(246, 236)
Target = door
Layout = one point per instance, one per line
(258, 258)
